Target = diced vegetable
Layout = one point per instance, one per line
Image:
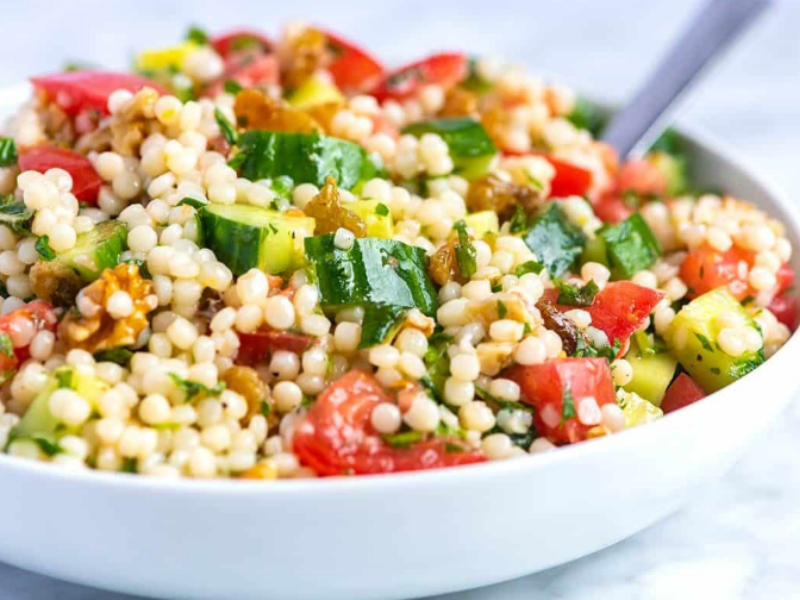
(786, 310)
(376, 217)
(314, 91)
(170, 58)
(692, 336)
(621, 308)
(471, 148)
(257, 346)
(673, 168)
(85, 180)
(652, 373)
(8, 152)
(569, 179)
(15, 215)
(705, 269)
(483, 222)
(97, 249)
(556, 242)
(245, 237)
(637, 410)
(75, 91)
(585, 116)
(641, 178)
(629, 247)
(305, 157)
(444, 70)
(352, 68)
(336, 436)
(558, 389)
(683, 392)
(238, 40)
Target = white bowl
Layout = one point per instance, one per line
(391, 536)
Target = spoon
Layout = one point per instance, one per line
(639, 123)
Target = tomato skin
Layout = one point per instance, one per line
(785, 277)
(38, 312)
(569, 180)
(786, 310)
(681, 392)
(544, 386)
(222, 43)
(353, 69)
(621, 308)
(336, 436)
(86, 182)
(254, 347)
(445, 69)
(76, 91)
(642, 178)
(611, 208)
(705, 269)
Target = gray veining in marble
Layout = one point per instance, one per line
(740, 539)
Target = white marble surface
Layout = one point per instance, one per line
(739, 539)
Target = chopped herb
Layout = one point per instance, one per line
(572, 295)
(8, 152)
(46, 253)
(519, 222)
(77, 65)
(452, 448)
(46, 445)
(226, 127)
(15, 215)
(306, 401)
(497, 287)
(265, 408)
(586, 116)
(232, 87)
(584, 349)
(197, 35)
(129, 465)
(748, 300)
(526, 329)
(568, 410)
(500, 403)
(191, 389)
(502, 310)
(555, 241)
(437, 363)
(64, 378)
(141, 264)
(120, 356)
(534, 182)
(404, 439)
(466, 255)
(382, 209)
(6, 345)
(704, 341)
(532, 266)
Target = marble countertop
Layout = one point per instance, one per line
(740, 538)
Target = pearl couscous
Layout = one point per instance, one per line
(264, 259)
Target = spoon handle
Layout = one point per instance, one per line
(635, 127)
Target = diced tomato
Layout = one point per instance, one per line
(621, 308)
(240, 39)
(785, 277)
(248, 69)
(353, 69)
(681, 392)
(75, 91)
(21, 325)
(546, 386)
(255, 346)
(612, 208)
(705, 269)
(642, 178)
(445, 70)
(336, 436)
(569, 180)
(786, 310)
(85, 180)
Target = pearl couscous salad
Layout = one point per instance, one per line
(264, 258)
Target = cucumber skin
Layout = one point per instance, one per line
(471, 148)
(305, 157)
(90, 264)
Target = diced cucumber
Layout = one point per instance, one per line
(556, 242)
(652, 373)
(674, 170)
(692, 336)
(471, 148)
(483, 222)
(630, 247)
(15, 215)
(474, 81)
(376, 217)
(595, 251)
(373, 272)
(38, 420)
(247, 237)
(314, 91)
(636, 409)
(586, 116)
(305, 157)
(97, 249)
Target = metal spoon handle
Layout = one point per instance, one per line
(639, 123)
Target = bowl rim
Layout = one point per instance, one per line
(425, 479)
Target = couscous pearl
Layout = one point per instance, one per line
(154, 409)
(505, 389)
(613, 417)
(497, 446)
(284, 364)
(423, 415)
(477, 416)
(386, 418)
(622, 372)
(119, 305)
(347, 336)
(465, 367)
(541, 445)
(731, 341)
(182, 333)
(384, 356)
(279, 312)
(412, 340)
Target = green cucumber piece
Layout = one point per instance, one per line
(692, 338)
(15, 215)
(305, 157)
(674, 169)
(585, 116)
(372, 273)
(247, 237)
(652, 373)
(556, 242)
(483, 222)
(595, 251)
(630, 247)
(96, 250)
(471, 148)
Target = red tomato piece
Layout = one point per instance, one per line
(76, 91)
(352, 68)
(569, 180)
(248, 69)
(786, 310)
(445, 70)
(546, 386)
(705, 269)
(681, 392)
(336, 435)
(785, 277)
(237, 40)
(85, 180)
(17, 324)
(612, 208)
(621, 308)
(642, 178)
(254, 347)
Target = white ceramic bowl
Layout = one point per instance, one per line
(392, 536)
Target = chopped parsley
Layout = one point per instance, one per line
(129, 465)
(532, 266)
(64, 378)
(502, 310)
(466, 255)
(519, 222)
(197, 35)
(226, 127)
(120, 356)
(232, 87)
(6, 344)
(265, 408)
(46, 445)
(586, 350)
(572, 295)
(404, 439)
(568, 410)
(192, 389)
(46, 253)
(8, 152)
(382, 210)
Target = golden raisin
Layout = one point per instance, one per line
(55, 282)
(246, 382)
(493, 193)
(264, 470)
(443, 266)
(459, 102)
(255, 110)
(327, 210)
(303, 54)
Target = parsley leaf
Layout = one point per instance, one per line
(232, 87)
(8, 152)
(404, 439)
(197, 35)
(226, 127)
(191, 389)
(382, 209)
(532, 266)
(466, 255)
(46, 445)
(568, 410)
(586, 350)
(6, 345)
(519, 222)
(502, 310)
(64, 378)
(572, 295)
(120, 356)
(46, 253)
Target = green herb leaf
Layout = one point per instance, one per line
(6, 345)
(382, 209)
(502, 310)
(586, 350)
(226, 127)
(519, 222)
(532, 266)
(265, 408)
(232, 87)
(46, 253)
(129, 465)
(572, 295)
(8, 152)
(568, 409)
(193, 202)
(64, 378)
(15, 215)
(466, 255)
(197, 35)
(120, 356)
(404, 439)
(555, 241)
(46, 445)
(192, 389)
